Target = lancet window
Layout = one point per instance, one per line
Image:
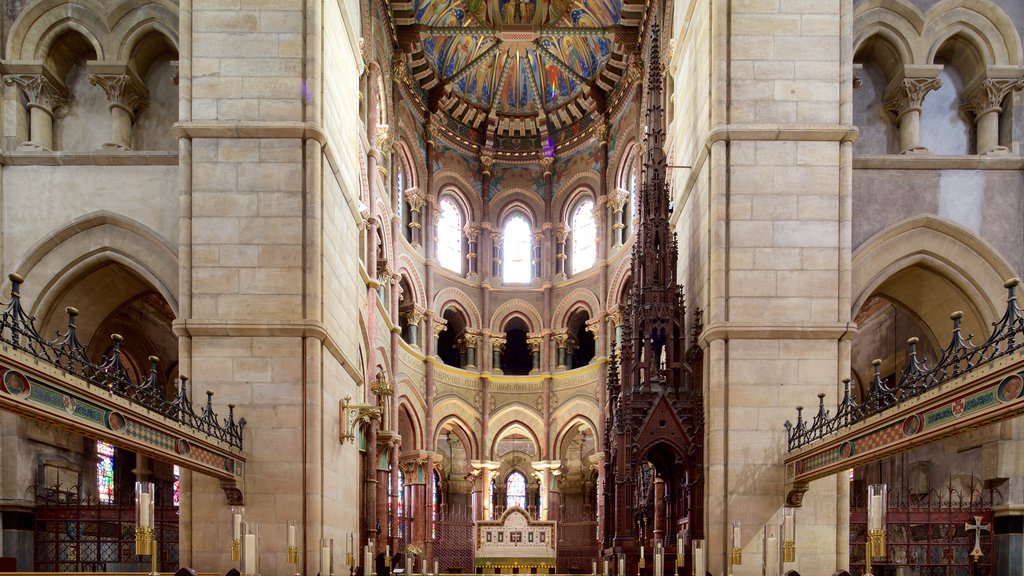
(105, 472)
(515, 490)
(584, 236)
(449, 235)
(517, 250)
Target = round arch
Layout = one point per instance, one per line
(450, 297)
(580, 298)
(516, 307)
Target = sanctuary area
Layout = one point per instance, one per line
(434, 287)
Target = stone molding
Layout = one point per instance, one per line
(736, 331)
(784, 132)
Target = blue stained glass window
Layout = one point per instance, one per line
(515, 490)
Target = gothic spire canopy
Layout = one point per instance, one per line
(517, 68)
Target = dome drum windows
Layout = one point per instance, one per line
(519, 261)
(449, 232)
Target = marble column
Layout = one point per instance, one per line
(535, 341)
(497, 345)
(561, 339)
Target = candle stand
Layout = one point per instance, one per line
(877, 511)
(145, 538)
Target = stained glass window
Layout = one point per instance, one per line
(584, 236)
(515, 490)
(449, 236)
(516, 248)
(632, 195)
(435, 496)
(177, 486)
(105, 472)
(400, 191)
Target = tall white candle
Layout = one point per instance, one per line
(250, 553)
(423, 566)
(698, 559)
(145, 520)
(291, 535)
(622, 566)
(408, 564)
(875, 515)
(605, 567)
(736, 540)
(641, 551)
(436, 568)
(593, 568)
(325, 561)
(771, 556)
(236, 519)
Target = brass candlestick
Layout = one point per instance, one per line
(788, 551)
(875, 548)
(143, 541)
(236, 549)
(293, 554)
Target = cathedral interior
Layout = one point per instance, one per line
(617, 287)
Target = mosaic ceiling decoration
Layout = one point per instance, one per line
(515, 67)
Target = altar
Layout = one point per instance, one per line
(515, 543)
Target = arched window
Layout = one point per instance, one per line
(584, 236)
(449, 236)
(105, 472)
(397, 499)
(515, 490)
(435, 502)
(400, 190)
(516, 248)
(631, 180)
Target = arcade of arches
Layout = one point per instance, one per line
(424, 213)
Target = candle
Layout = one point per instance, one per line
(875, 513)
(736, 535)
(605, 567)
(593, 567)
(325, 560)
(436, 572)
(291, 534)
(387, 550)
(144, 518)
(641, 551)
(250, 554)
(771, 556)
(622, 566)
(236, 519)
(698, 558)
(423, 566)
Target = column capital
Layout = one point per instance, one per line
(547, 163)
(561, 337)
(124, 90)
(40, 89)
(497, 342)
(989, 94)
(908, 95)
(486, 161)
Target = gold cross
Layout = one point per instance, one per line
(977, 527)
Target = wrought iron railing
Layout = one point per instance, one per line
(17, 330)
(958, 358)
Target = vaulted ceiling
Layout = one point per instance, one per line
(517, 68)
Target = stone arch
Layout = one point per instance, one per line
(456, 297)
(407, 268)
(451, 181)
(408, 417)
(513, 418)
(92, 239)
(994, 31)
(623, 273)
(463, 430)
(35, 29)
(566, 427)
(132, 22)
(958, 258)
(516, 307)
(516, 200)
(899, 23)
(579, 298)
(410, 166)
(567, 192)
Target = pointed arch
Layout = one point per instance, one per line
(520, 307)
(580, 298)
(512, 415)
(462, 430)
(455, 297)
(35, 30)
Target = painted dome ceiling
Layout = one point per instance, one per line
(517, 68)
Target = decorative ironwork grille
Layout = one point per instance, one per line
(73, 534)
(455, 545)
(577, 543)
(925, 532)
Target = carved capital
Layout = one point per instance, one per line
(989, 95)
(415, 315)
(472, 231)
(383, 138)
(546, 164)
(616, 316)
(561, 232)
(471, 338)
(561, 338)
(908, 95)
(39, 90)
(534, 341)
(498, 343)
(415, 199)
(593, 326)
(399, 72)
(485, 163)
(123, 91)
(440, 325)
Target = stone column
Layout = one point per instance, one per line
(618, 201)
(535, 341)
(472, 233)
(985, 102)
(471, 341)
(538, 248)
(415, 200)
(561, 237)
(904, 102)
(440, 325)
(414, 317)
(496, 254)
(497, 345)
(45, 96)
(126, 94)
(561, 339)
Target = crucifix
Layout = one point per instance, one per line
(977, 527)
